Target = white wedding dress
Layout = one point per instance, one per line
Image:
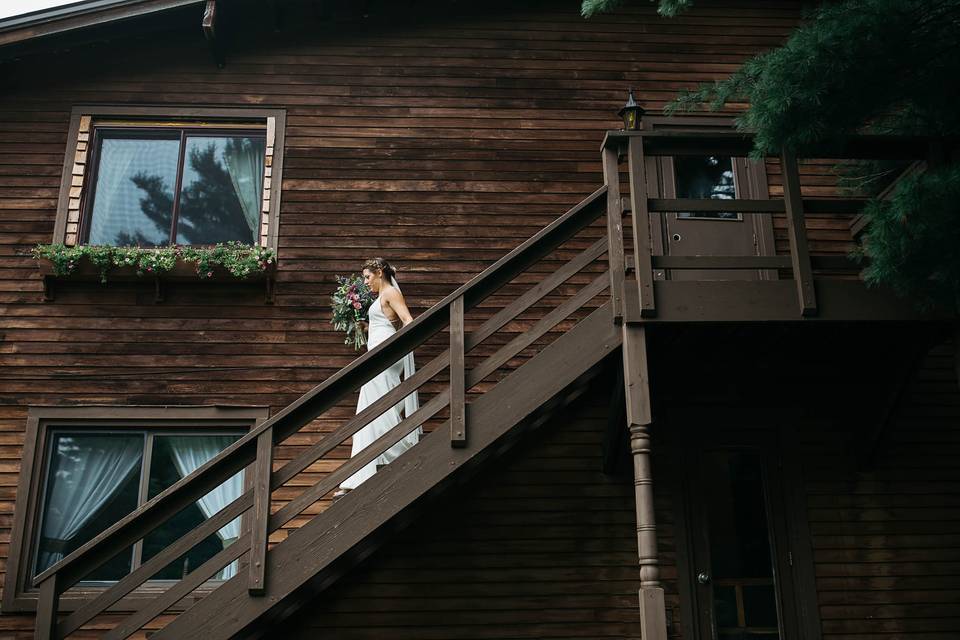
(379, 330)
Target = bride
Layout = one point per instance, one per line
(386, 311)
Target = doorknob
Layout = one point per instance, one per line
(703, 577)
(676, 237)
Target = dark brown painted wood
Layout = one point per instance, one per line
(468, 133)
(611, 179)
(458, 408)
(643, 273)
(797, 231)
(260, 517)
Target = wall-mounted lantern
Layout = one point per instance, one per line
(631, 114)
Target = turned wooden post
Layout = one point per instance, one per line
(653, 615)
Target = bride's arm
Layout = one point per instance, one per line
(395, 301)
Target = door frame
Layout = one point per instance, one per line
(785, 501)
(750, 179)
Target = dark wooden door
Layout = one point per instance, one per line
(713, 234)
(738, 555)
(714, 177)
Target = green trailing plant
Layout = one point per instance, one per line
(239, 259)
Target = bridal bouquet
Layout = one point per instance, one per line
(350, 301)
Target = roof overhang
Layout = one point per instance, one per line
(80, 15)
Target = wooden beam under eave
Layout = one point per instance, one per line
(209, 26)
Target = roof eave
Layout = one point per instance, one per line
(80, 15)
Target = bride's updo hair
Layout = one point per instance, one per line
(379, 263)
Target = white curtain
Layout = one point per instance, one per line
(244, 158)
(117, 205)
(189, 453)
(89, 470)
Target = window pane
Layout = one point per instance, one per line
(222, 187)
(739, 539)
(133, 201)
(760, 605)
(173, 458)
(92, 481)
(705, 177)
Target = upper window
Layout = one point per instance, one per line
(157, 176)
(190, 186)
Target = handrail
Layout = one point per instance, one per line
(73, 568)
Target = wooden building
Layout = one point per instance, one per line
(659, 402)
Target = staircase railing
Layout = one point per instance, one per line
(254, 451)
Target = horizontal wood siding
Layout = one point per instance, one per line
(887, 539)
(438, 142)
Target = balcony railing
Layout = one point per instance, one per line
(638, 300)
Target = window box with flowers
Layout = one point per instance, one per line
(102, 263)
(168, 194)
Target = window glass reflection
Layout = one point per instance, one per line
(705, 177)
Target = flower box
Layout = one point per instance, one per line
(182, 271)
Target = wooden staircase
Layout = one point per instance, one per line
(547, 357)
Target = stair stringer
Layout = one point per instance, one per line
(315, 546)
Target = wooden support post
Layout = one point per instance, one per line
(46, 622)
(458, 419)
(956, 353)
(615, 257)
(653, 614)
(797, 232)
(209, 26)
(260, 515)
(641, 227)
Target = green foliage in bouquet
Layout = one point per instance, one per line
(349, 303)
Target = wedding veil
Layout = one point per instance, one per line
(412, 402)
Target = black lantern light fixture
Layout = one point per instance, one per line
(631, 114)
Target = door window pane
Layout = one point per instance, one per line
(92, 481)
(173, 458)
(705, 177)
(222, 185)
(744, 595)
(133, 200)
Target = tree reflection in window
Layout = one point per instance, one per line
(221, 182)
(707, 177)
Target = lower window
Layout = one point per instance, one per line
(93, 479)
(85, 468)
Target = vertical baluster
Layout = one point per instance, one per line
(458, 419)
(47, 605)
(260, 515)
(611, 176)
(797, 232)
(643, 264)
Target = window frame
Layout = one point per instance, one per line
(81, 146)
(42, 422)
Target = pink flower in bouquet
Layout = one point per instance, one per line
(357, 305)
